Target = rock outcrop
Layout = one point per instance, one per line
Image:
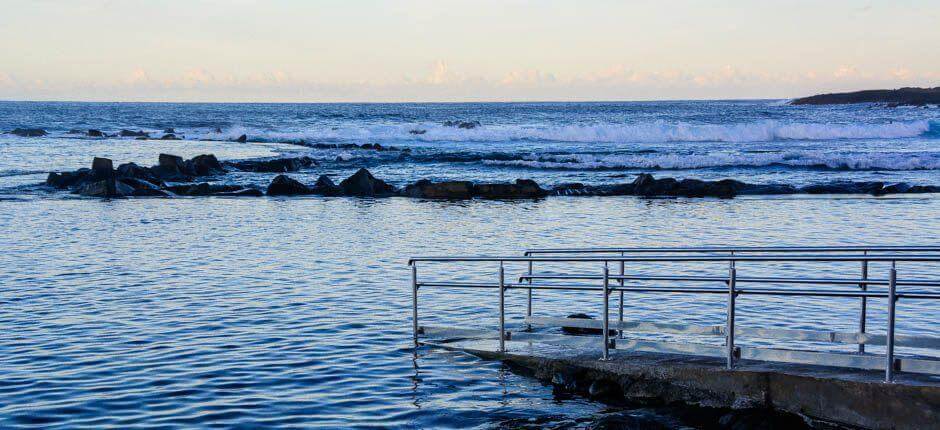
(363, 184)
(133, 133)
(901, 96)
(29, 132)
(426, 189)
(283, 185)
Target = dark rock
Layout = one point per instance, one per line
(565, 381)
(68, 179)
(203, 189)
(276, 165)
(282, 185)
(761, 419)
(29, 132)
(172, 168)
(169, 136)
(647, 186)
(521, 189)
(918, 189)
(205, 165)
(74, 131)
(102, 166)
(106, 188)
(573, 189)
(363, 184)
(327, 187)
(844, 188)
(901, 187)
(606, 390)
(95, 133)
(144, 188)
(462, 124)
(242, 139)
(417, 131)
(767, 189)
(439, 190)
(131, 133)
(132, 170)
(901, 96)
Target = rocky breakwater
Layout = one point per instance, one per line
(130, 179)
(175, 176)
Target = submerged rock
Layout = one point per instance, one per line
(94, 133)
(29, 132)
(363, 184)
(283, 185)
(169, 136)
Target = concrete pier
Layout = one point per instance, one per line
(858, 398)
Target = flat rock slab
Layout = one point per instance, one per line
(834, 395)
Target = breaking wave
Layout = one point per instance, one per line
(670, 161)
(652, 132)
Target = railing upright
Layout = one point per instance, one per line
(502, 308)
(889, 340)
(414, 301)
(729, 329)
(605, 333)
(528, 308)
(620, 313)
(863, 311)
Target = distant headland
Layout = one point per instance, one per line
(900, 97)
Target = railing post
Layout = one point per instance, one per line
(729, 328)
(502, 308)
(889, 339)
(605, 333)
(528, 308)
(620, 314)
(414, 300)
(863, 311)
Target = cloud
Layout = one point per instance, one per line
(442, 83)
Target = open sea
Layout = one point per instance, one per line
(295, 312)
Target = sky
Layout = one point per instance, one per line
(416, 50)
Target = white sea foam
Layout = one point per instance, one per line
(848, 161)
(651, 132)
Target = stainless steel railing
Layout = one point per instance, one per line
(863, 283)
(731, 288)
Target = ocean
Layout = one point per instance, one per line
(213, 312)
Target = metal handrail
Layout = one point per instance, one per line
(681, 258)
(735, 249)
(731, 289)
(763, 280)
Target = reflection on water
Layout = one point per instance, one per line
(295, 312)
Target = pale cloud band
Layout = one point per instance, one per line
(461, 50)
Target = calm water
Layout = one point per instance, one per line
(224, 312)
